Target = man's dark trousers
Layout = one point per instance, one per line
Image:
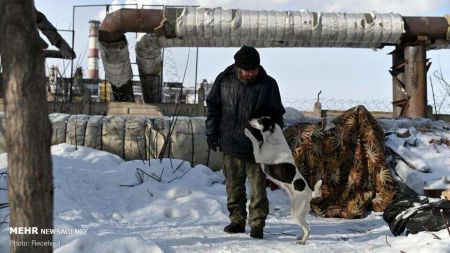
(236, 171)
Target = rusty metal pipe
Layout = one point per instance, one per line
(435, 28)
(117, 23)
(416, 80)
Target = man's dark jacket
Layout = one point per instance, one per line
(231, 104)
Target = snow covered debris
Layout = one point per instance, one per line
(169, 206)
(424, 156)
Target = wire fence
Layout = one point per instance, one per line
(338, 104)
(440, 104)
(307, 105)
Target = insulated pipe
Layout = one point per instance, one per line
(149, 60)
(198, 23)
(116, 62)
(205, 27)
(434, 28)
(119, 22)
(113, 45)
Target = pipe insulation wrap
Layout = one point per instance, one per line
(149, 60)
(148, 55)
(447, 17)
(232, 28)
(116, 62)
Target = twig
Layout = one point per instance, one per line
(139, 177)
(435, 236)
(171, 180)
(355, 230)
(170, 156)
(162, 171)
(4, 220)
(178, 167)
(76, 125)
(139, 150)
(150, 175)
(185, 173)
(129, 185)
(282, 233)
(445, 220)
(192, 141)
(434, 99)
(207, 159)
(173, 122)
(388, 242)
(151, 194)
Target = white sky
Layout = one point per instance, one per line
(357, 74)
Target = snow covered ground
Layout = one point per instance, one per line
(186, 211)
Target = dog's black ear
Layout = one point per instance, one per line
(268, 124)
(255, 132)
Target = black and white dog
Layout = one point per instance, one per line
(277, 162)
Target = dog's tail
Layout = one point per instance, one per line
(317, 189)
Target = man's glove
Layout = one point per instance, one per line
(213, 141)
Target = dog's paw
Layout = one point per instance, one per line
(301, 242)
(247, 132)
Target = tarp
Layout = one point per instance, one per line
(348, 155)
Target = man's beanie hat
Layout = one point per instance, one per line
(247, 58)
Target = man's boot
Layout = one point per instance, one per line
(257, 232)
(234, 228)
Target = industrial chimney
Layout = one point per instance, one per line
(93, 50)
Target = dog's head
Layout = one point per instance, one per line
(264, 124)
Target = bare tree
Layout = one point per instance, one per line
(440, 89)
(28, 129)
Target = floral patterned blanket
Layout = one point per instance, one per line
(348, 155)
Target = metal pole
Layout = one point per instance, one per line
(416, 80)
(399, 75)
(73, 48)
(195, 84)
(161, 78)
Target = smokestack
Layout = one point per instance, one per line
(93, 50)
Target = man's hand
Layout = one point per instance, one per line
(213, 141)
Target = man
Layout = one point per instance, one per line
(236, 95)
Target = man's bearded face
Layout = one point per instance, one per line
(247, 76)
